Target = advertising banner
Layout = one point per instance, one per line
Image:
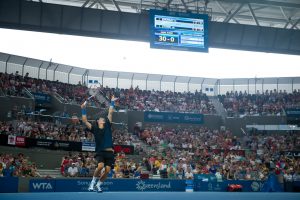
(81, 185)
(169, 117)
(41, 185)
(41, 98)
(9, 184)
(293, 112)
(88, 146)
(20, 141)
(127, 149)
(247, 186)
(55, 144)
(11, 140)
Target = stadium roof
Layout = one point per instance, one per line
(270, 13)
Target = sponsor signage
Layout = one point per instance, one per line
(81, 185)
(41, 185)
(127, 149)
(169, 117)
(88, 146)
(20, 141)
(55, 144)
(293, 112)
(41, 97)
(11, 140)
(221, 186)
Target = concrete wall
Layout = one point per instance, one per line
(235, 124)
(8, 103)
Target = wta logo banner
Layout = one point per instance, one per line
(42, 185)
(110, 185)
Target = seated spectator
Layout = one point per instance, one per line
(189, 174)
(17, 166)
(73, 170)
(171, 172)
(65, 161)
(126, 172)
(84, 170)
(180, 173)
(137, 173)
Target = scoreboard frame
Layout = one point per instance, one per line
(179, 37)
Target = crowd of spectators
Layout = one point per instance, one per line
(17, 165)
(81, 164)
(267, 103)
(188, 138)
(236, 104)
(218, 154)
(146, 100)
(231, 165)
(176, 152)
(65, 132)
(14, 85)
(271, 142)
(131, 99)
(45, 130)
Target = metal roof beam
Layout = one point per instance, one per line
(185, 6)
(228, 18)
(287, 23)
(168, 3)
(223, 9)
(116, 5)
(102, 5)
(90, 6)
(288, 20)
(244, 17)
(295, 25)
(253, 14)
(254, 9)
(85, 3)
(265, 2)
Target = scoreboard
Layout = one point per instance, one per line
(178, 31)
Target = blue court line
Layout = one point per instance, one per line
(150, 196)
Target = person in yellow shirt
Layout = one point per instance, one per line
(157, 163)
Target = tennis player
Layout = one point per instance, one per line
(102, 132)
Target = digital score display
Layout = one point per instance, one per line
(179, 31)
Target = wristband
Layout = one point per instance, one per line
(83, 111)
(112, 104)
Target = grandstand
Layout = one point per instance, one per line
(170, 132)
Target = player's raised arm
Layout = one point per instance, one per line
(84, 118)
(111, 109)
